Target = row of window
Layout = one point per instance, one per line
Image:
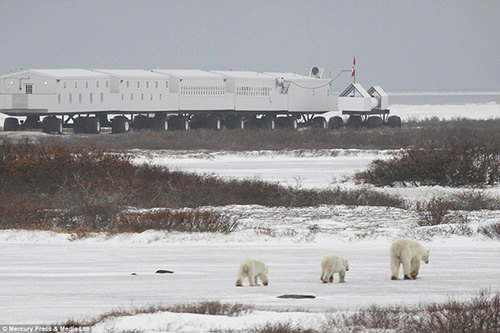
(203, 90)
(80, 98)
(97, 84)
(151, 97)
(253, 91)
(156, 84)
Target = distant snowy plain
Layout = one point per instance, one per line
(48, 277)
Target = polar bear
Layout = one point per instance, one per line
(408, 252)
(333, 264)
(251, 269)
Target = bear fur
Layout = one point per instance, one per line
(251, 269)
(333, 264)
(409, 253)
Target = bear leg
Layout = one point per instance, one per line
(395, 263)
(263, 278)
(407, 268)
(242, 273)
(341, 276)
(331, 278)
(323, 277)
(415, 267)
(256, 283)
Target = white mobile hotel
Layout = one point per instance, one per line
(86, 100)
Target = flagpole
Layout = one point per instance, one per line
(354, 69)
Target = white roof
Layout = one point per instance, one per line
(245, 75)
(126, 73)
(354, 87)
(378, 90)
(191, 73)
(291, 76)
(67, 73)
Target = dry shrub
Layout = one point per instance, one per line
(433, 212)
(72, 188)
(473, 200)
(412, 134)
(184, 221)
(214, 308)
(480, 314)
(282, 328)
(462, 162)
(491, 231)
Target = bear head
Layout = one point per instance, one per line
(425, 257)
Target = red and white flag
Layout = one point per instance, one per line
(353, 73)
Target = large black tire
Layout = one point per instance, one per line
(52, 124)
(159, 123)
(319, 122)
(31, 122)
(120, 124)
(286, 123)
(78, 125)
(374, 122)
(214, 123)
(268, 123)
(92, 125)
(178, 123)
(394, 121)
(140, 122)
(335, 123)
(291, 123)
(11, 124)
(354, 121)
(235, 122)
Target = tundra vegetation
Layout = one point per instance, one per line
(75, 189)
(82, 183)
(413, 133)
(477, 314)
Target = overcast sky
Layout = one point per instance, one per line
(400, 45)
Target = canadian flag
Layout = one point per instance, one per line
(353, 73)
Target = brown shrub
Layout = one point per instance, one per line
(412, 134)
(433, 212)
(491, 231)
(72, 188)
(464, 162)
(214, 308)
(480, 314)
(185, 221)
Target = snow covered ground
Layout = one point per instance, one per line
(55, 282)
(447, 112)
(295, 168)
(48, 277)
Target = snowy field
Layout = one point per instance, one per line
(308, 169)
(298, 169)
(48, 277)
(52, 282)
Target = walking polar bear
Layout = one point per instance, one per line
(408, 252)
(333, 264)
(251, 269)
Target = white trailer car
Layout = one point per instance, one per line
(87, 100)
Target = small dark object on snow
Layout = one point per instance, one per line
(163, 271)
(133, 274)
(296, 296)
